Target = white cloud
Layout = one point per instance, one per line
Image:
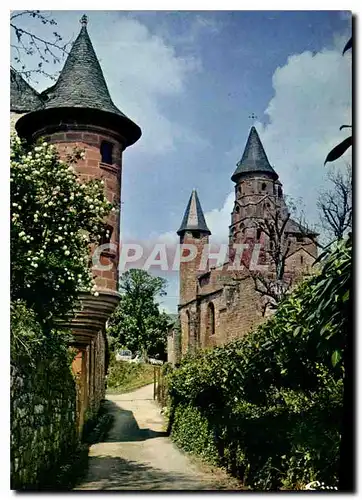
(312, 99)
(143, 73)
(218, 220)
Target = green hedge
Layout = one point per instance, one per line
(271, 403)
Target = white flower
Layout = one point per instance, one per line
(96, 294)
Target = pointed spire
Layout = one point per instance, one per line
(82, 90)
(81, 82)
(254, 158)
(193, 219)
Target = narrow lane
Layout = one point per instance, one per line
(137, 455)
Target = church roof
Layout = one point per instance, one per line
(254, 158)
(193, 219)
(295, 227)
(23, 98)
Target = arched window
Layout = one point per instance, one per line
(107, 152)
(237, 209)
(258, 233)
(210, 319)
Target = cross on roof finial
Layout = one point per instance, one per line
(84, 20)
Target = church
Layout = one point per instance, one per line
(221, 303)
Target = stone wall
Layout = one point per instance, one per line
(43, 420)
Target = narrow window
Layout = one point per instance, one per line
(106, 152)
(211, 319)
(263, 186)
(301, 259)
(237, 209)
(106, 236)
(280, 192)
(188, 327)
(258, 233)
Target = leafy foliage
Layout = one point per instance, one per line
(137, 322)
(123, 376)
(272, 401)
(54, 219)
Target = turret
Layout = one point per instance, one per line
(193, 231)
(257, 191)
(78, 112)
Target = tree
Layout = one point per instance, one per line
(276, 227)
(54, 218)
(137, 322)
(347, 474)
(336, 205)
(29, 44)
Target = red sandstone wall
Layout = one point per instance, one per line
(92, 168)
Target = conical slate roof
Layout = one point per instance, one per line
(81, 92)
(81, 82)
(23, 98)
(254, 158)
(194, 219)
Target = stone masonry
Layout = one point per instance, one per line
(78, 112)
(218, 304)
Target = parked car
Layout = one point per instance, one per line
(124, 355)
(155, 361)
(137, 359)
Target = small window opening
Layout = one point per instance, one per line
(280, 192)
(301, 259)
(258, 233)
(263, 186)
(106, 152)
(196, 234)
(300, 238)
(211, 319)
(237, 209)
(107, 235)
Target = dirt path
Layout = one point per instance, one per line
(136, 455)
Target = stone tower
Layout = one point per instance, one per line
(193, 231)
(78, 112)
(257, 192)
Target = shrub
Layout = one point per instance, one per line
(54, 219)
(271, 402)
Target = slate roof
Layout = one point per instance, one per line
(295, 227)
(81, 82)
(81, 86)
(254, 158)
(193, 219)
(23, 98)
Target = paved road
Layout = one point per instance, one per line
(136, 455)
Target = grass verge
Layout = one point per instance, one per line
(125, 377)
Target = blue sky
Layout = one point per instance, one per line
(193, 81)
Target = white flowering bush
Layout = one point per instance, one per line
(54, 219)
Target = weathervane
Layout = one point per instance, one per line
(84, 20)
